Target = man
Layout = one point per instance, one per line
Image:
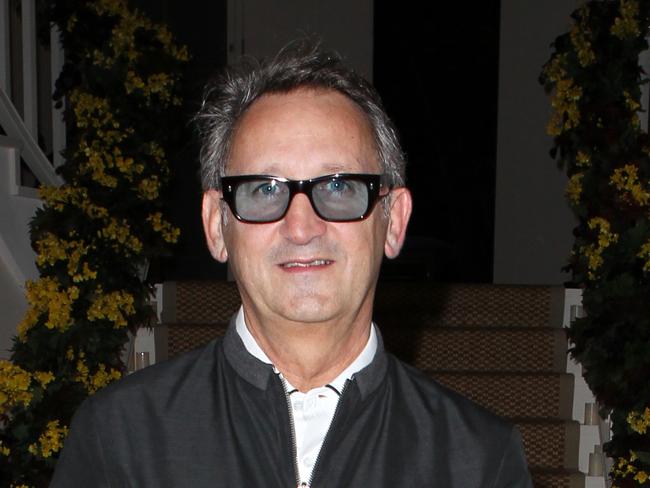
(304, 194)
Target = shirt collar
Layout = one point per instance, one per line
(361, 361)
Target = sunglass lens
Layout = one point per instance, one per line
(261, 200)
(340, 198)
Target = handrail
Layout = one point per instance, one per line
(15, 128)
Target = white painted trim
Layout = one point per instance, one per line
(58, 126)
(11, 149)
(15, 128)
(7, 258)
(30, 87)
(5, 48)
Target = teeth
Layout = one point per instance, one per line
(316, 262)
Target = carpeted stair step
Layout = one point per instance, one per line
(185, 337)
(450, 349)
(476, 349)
(531, 395)
(430, 304)
(545, 478)
(421, 304)
(550, 444)
(200, 302)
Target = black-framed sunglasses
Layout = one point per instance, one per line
(341, 197)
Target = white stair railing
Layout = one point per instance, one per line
(24, 126)
(19, 120)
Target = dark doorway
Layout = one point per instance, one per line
(202, 27)
(436, 67)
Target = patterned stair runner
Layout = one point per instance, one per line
(501, 346)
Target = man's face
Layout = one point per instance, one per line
(302, 268)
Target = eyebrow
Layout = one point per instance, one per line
(332, 168)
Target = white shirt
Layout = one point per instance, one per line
(312, 411)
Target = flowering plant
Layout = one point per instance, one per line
(595, 80)
(96, 232)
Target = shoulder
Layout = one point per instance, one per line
(441, 405)
(472, 438)
(168, 383)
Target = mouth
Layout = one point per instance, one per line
(297, 265)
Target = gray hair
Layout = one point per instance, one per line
(302, 64)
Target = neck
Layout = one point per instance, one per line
(310, 355)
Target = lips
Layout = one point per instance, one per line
(314, 263)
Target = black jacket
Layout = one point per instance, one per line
(218, 417)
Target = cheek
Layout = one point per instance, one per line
(368, 248)
(249, 247)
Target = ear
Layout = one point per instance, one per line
(212, 225)
(401, 204)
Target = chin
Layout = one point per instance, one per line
(311, 309)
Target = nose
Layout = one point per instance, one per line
(301, 225)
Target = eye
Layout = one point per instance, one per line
(266, 189)
(337, 186)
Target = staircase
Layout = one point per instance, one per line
(501, 346)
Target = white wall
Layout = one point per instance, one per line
(261, 27)
(532, 220)
(16, 255)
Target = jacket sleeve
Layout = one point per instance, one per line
(513, 471)
(81, 463)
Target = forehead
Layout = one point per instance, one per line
(303, 134)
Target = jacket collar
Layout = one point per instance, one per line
(259, 373)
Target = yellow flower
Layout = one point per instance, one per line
(4, 450)
(626, 179)
(574, 188)
(165, 38)
(102, 377)
(169, 232)
(639, 422)
(157, 152)
(555, 68)
(50, 441)
(583, 159)
(565, 115)
(641, 477)
(69, 354)
(644, 253)
(133, 82)
(149, 188)
(82, 372)
(626, 25)
(115, 306)
(581, 39)
(630, 102)
(51, 249)
(44, 377)
(91, 111)
(97, 381)
(594, 252)
(72, 21)
(120, 232)
(14, 386)
(46, 297)
(58, 197)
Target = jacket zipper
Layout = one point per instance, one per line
(294, 448)
(327, 435)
